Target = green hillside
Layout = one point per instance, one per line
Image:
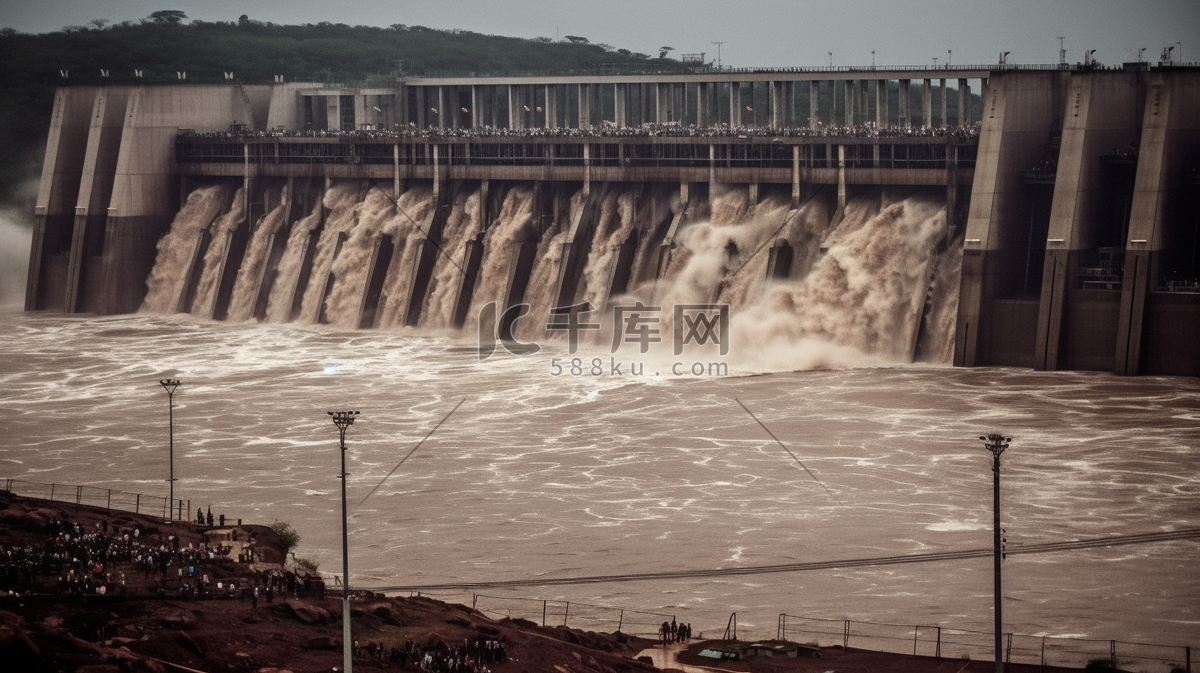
(166, 43)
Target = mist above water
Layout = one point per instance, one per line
(15, 238)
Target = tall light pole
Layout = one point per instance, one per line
(343, 420)
(170, 385)
(996, 444)
(718, 45)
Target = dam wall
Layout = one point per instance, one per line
(1051, 214)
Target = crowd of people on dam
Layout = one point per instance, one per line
(649, 130)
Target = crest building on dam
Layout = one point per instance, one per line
(1071, 194)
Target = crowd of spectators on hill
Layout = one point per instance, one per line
(74, 560)
(474, 655)
(650, 130)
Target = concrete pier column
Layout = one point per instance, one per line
(905, 120)
(735, 103)
(442, 110)
(848, 96)
(668, 242)
(1075, 321)
(841, 193)
(881, 102)
(662, 103)
(864, 99)
(95, 187)
(585, 105)
(550, 107)
(796, 194)
(333, 112)
(712, 167)
(964, 102)
(927, 103)
(1156, 334)
(514, 107)
(494, 106)
(775, 94)
(813, 100)
(702, 104)
(942, 117)
(587, 169)
(360, 111)
(779, 260)
(620, 104)
(987, 332)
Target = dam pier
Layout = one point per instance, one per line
(1066, 201)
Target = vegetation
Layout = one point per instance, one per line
(287, 534)
(306, 565)
(166, 43)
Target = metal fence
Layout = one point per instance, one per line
(107, 498)
(951, 643)
(547, 612)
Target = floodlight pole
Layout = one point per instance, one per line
(996, 444)
(170, 385)
(343, 420)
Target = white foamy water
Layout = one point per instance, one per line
(538, 476)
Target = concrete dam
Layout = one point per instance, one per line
(1035, 216)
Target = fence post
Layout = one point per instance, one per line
(1008, 649)
(621, 621)
(1187, 656)
(938, 651)
(78, 494)
(108, 502)
(474, 596)
(1043, 651)
(543, 613)
(1112, 652)
(566, 611)
(137, 505)
(51, 491)
(916, 630)
(846, 635)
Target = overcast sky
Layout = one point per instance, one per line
(754, 32)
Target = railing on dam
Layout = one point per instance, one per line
(763, 152)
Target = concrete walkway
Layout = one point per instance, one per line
(664, 657)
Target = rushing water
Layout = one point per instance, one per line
(537, 475)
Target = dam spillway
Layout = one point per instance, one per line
(1048, 222)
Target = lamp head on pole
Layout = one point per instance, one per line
(169, 385)
(343, 419)
(995, 443)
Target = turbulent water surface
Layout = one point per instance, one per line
(559, 465)
(544, 476)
